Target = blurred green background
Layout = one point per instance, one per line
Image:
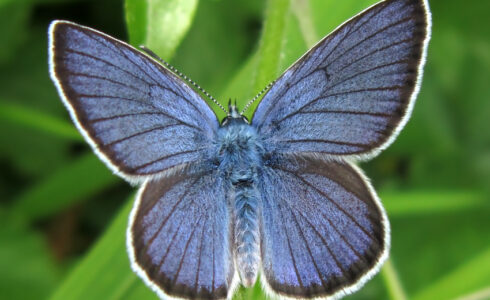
(63, 214)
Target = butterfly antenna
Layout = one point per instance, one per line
(173, 69)
(256, 97)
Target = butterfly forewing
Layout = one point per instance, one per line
(323, 232)
(139, 117)
(351, 93)
(179, 238)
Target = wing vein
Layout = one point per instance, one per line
(153, 64)
(126, 115)
(164, 257)
(307, 246)
(106, 62)
(214, 271)
(290, 249)
(199, 259)
(139, 133)
(310, 205)
(326, 142)
(106, 79)
(399, 22)
(185, 250)
(329, 198)
(373, 52)
(116, 49)
(165, 157)
(182, 96)
(368, 70)
(164, 222)
(346, 242)
(389, 88)
(386, 88)
(347, 34)
(336, 84)
(349, 190)
(141, 102)
(324, 242)
(347, 112)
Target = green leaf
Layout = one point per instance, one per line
(224, 42)
(329, 14)
(37, 121)
(28, 111)
(104, 273)
(392, 281)
(79, 180)
(14, 17)
(241, 86)
(423, 202)
(27, 267)
(159, 25)
(302, 11)
(279, 45)
(270, 47)
(136, 20)
(469, 277)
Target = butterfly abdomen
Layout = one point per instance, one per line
(239, 156)
(247, 251)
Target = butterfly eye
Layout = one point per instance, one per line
(234, 119)
(225, 121)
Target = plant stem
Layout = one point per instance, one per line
(270, 48)
(392, 282)
(302, 11)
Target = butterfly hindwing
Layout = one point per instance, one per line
(179, 237)
(351, 93)
(139, 117)
(324, 231)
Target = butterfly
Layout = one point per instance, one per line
(277, 195)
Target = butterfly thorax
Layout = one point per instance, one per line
(239, 150)
(239, 153)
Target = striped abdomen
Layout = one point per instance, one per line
(247, 239)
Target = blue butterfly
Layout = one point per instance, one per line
(278, 195)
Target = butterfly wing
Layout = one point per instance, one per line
(138, 116)
(324, 232)
(179, 237)
(353, 92)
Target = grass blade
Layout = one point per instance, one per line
(392, 281)
(23, 116)
(270, 48)
(105, 272)
(470, 276)
(420, 202)
(159, 25)
(74, 182)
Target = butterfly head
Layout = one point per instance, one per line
(233, 115)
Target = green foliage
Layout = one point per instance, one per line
(159, 25)
(105, 272)
(434, 180)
